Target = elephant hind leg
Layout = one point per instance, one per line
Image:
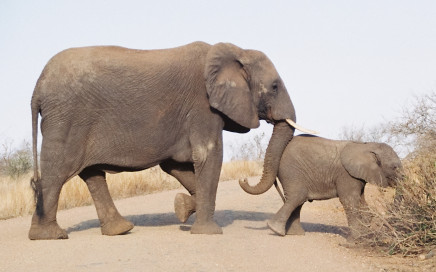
(278, 222)
(293, 225)
(44, 224)
(111, 222)
(184, 205)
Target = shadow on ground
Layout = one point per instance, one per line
(223, 217)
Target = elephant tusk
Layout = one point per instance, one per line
(293, 124)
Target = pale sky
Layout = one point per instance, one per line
(345, 63)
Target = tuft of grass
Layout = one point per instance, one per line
(17, 196)
(407, 225)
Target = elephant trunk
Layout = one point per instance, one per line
(280, 138)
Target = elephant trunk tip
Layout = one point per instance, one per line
(243, 183)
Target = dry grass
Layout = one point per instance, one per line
(407, 224)
(75, 192)
(17, 197)
(241, 169)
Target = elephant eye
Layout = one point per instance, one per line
(275, 87)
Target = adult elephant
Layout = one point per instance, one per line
(112, 109)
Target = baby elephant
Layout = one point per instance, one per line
(314, 168)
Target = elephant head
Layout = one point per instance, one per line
(376, 163)
(245, 87)
(235, 76)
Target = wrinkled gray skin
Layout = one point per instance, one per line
(315, 168)
(112, 109)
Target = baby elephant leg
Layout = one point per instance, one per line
(184, 205)
(293, 225)
(279, 220)
(111, 222)
(353, 213)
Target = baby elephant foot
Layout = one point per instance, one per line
(50, 231)
(116, 227)
(295, 229)
(277, 227)
(206, 228)
(184, 206)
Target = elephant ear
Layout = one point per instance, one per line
(227, 84)
(361, 162)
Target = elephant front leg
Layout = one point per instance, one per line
(184, 205)
(365, 213)
(111, 222)
(353, 213)
(207, 167)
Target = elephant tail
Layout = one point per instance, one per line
(276, 184)
(35, 181)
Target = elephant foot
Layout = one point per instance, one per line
(50, 231)
(206, 228)
(295, 229)
(277, 227)
(116, 227)
(184, 206)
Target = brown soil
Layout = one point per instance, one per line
(160, 243)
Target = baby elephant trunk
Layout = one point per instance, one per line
(280, 138)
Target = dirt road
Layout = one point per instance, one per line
(160, 243)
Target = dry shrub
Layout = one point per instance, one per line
(408, 224)
(15, 162)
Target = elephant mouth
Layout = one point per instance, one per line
(269, 117)
(392, 181)
(270, 120)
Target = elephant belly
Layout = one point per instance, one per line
(321, 189)
(322, 195)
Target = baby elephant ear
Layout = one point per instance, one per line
(227, 85)
(363, 163)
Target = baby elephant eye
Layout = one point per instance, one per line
(275, 87)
